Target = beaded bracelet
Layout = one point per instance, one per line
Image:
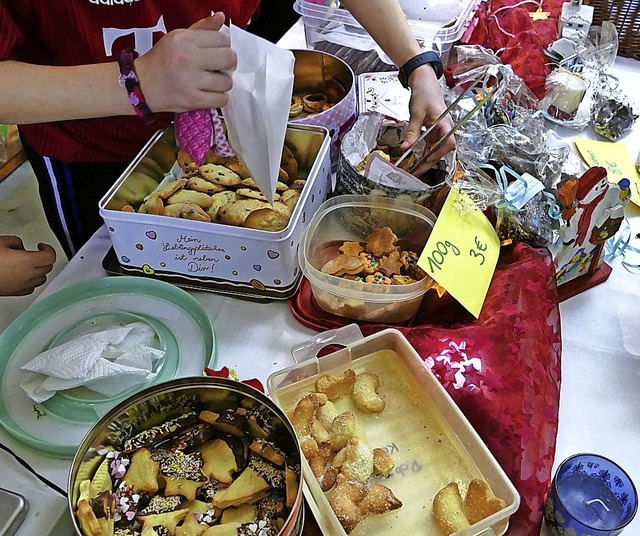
(129, 80)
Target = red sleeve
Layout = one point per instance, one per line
(10, 34)
(239, 12)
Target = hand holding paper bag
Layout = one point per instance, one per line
(256, 115)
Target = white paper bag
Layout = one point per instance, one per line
(257, 113)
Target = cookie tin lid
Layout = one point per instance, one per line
(56, 427)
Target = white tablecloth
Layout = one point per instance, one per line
(600, 398)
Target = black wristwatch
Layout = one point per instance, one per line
(417, 61)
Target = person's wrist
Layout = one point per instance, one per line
(424, 74)
(428, 59)
(129, 80)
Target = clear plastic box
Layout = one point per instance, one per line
(334, 30)
(352, 218)
(430, 440)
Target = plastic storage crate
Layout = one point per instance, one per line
(334, 30)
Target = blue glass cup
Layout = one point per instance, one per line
(591, 496)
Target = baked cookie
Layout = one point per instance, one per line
(290, 198)
(152, 205)
(314, 102)
(219, 461)
(282, 208)
(296, 106)
(238, 167)
(142, 474)
(335, 386)
(236, 213)
(289, 163)
(248, 485)
(187, 211)
(365, 395)
(448, 510)
(254, 194)
(170, 188)
(185, 162)
(201, 185)
(480, 502)
(218, 174)
(219, 200)
(266, 219)
(190, 196)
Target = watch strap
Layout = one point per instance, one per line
(430, 57)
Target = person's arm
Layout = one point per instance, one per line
(182, 72)
(385, 21)
(21, 271)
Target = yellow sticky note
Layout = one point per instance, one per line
(462, 251)
(615, 158)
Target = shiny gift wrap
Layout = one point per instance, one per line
(613, 117)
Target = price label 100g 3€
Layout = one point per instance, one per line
(462, 251)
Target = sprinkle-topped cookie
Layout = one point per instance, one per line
(155, 434)
(183, 466)
(160, 505)
(268, 471)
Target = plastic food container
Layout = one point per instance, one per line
(334, 29)
(353, 218)
(213, 256)
(162, 403)
(430, 440)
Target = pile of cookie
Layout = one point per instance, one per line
(315, 103)
(453, 513)
(204, 472)
(221, 190)
(336, 447)
(379, 260)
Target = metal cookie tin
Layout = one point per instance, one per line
(312, 71)
(213, 256)
(168, 400)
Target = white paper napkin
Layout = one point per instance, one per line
(257, 113)
(108, 361)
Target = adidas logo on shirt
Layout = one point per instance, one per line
(113, 2)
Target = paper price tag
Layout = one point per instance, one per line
(462, 251)
(615, 158)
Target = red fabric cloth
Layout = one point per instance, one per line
(506, 27)
(94, 31)
(512, 400)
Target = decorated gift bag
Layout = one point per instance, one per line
(518, 31)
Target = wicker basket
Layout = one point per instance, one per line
(625, 15)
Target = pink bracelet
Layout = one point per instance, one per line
(129, 80)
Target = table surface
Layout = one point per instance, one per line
(600, 360)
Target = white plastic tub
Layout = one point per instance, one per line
(429, 438)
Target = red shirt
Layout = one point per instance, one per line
(78, 32)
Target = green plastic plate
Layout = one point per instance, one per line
(57, 426)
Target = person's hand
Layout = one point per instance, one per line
(187, 68)
(425, 106)
(22, 271)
